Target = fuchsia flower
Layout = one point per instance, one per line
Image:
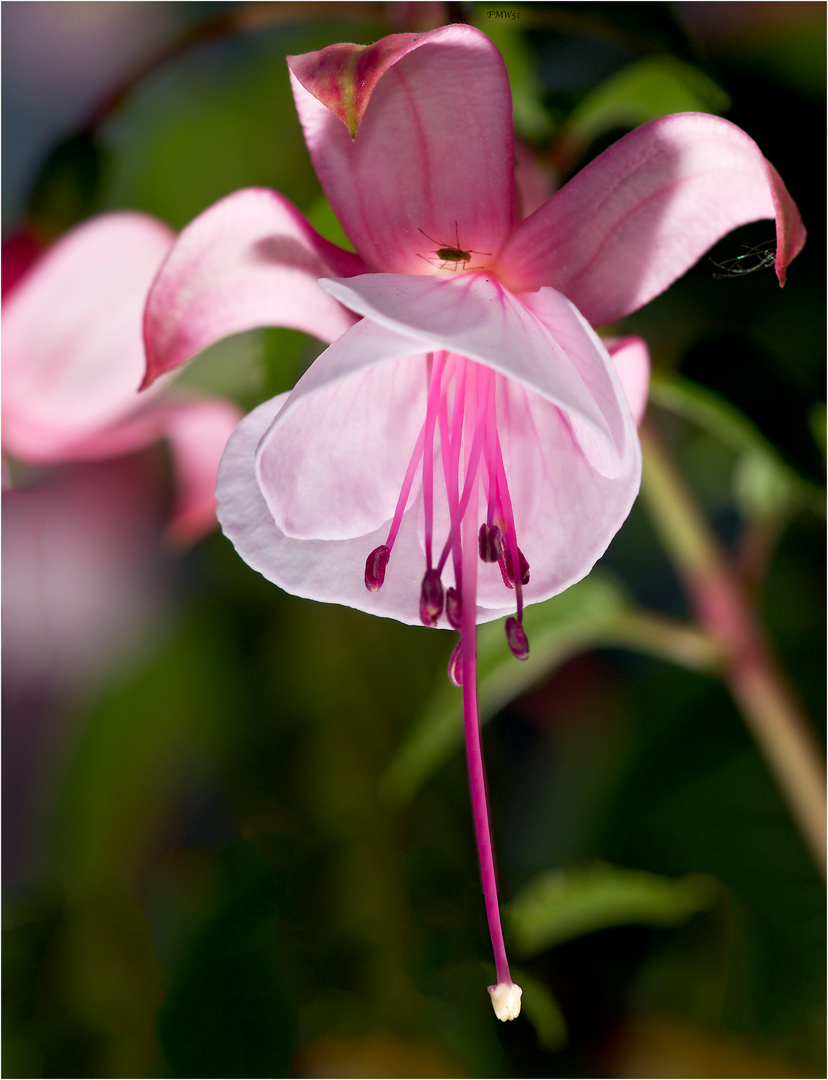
(467, 446)
(73, 360)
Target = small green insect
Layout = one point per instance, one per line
(755, 258)
(453, 258)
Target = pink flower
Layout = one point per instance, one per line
(73, 360)
(468, 446)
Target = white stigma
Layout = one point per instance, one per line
(506, 1000)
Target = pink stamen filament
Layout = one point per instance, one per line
(450, 450)
(510, 532)
(402, 500)
(432, 410)
(485, 376)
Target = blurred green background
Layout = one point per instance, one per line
(240, 844)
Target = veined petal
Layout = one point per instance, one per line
(250, 260)
(326, 570)
(72, 354)
(643, 212)
(474, 316)
(433, 148)
(332, 464)
(566, 511)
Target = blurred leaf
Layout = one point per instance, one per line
(531, 118)
(219, 119)
(818, 421)
(377, 1053)
(594, 612)
(142, 750)
(657, 1046)
(559, 905)
(646, 90)
(82, 985)
(542, 1011)
(764, 484)
(252, 366)
(113, 981)
(234, 367)
(227, 1011)
(325, 221)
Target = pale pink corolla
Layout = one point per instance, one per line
(468, 446)
(73, 361)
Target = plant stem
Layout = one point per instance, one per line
(751, 672)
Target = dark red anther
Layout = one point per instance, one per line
(454, 607)
(516, 638)
(524, 568)
(431, 598)
(455, 665)
(375, 566)
(490, 543)
(507, 569)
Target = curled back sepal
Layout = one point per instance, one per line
(342, 77)
(252, 259)
(656, 201)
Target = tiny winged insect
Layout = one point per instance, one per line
(755, 258)
(453, 258)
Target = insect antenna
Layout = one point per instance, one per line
(757, 257)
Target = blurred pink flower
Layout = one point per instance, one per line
(73, 359)
(85, 583)
(473, 404)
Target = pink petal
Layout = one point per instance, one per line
(631, 360)
(72, 354)
(198, 431)
(640, 215)
(83, 587)
(474, 316)
(353, 414)
(599, 375)
(535, 183)
(329, 570)
(251, 260)
(433, 149)
(566, 510)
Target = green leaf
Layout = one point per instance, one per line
(559, 905)
(233, 367)
(764, 485)
(646, 90)
(145, 744)
(325, 221)
(532, 119)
